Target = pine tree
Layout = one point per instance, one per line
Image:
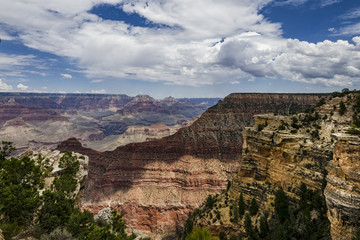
(248, 226)
(281, 205)
(254, 208)
(342, 109)
(241, 205)
(264, 227)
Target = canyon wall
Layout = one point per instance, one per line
(157, 183)
(343, 188)
(291, 152)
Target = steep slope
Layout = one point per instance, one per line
(343, 188)
(157, 183)
(294, 153)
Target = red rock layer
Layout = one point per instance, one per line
(158, 183)
(9, 111)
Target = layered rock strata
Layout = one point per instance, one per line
(287, 151)
(157, 183)
(42, 121)
(343, 188)
(279, 158)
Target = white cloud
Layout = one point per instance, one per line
(4, 87)
(354, 13)
(351, 26)
(22, 87)
(291, 2)
(101, 91)
(66, 75)
(210, 42)
(332, 30)
(97, 81)
(327, 63)
(352, 29)
(325, 3)
(5, 36)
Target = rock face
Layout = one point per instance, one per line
(288, 151)
(157, 183)
(343, 189)
(279, 158)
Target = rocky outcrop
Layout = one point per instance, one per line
(52, 161)
(343, 189)
(279, 158)
(157, 183)
(287, 152)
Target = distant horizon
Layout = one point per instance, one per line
(124, 94)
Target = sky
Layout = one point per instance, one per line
(179, 48)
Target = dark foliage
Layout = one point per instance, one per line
(254, 207)
(281, 205)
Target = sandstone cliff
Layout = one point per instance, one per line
(343, 188)
(292, 152)
(157, 183)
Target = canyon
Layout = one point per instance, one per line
(101, 121)
(159, 182)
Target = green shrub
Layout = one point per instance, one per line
(342, 109)
(58, 234)
(210, 201)
(200, 234)
(260, 127)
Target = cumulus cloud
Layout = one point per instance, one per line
(66, 75)
(4, 87)
(210, 42)
(328, 63)
(22, 87)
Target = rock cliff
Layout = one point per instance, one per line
(343, 188)
(292, 152)
(157, 183)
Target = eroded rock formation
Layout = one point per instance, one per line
(39, 120)
(157, 183)
(343, 188)
(289, 151)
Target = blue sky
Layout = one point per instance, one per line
(182, 48)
